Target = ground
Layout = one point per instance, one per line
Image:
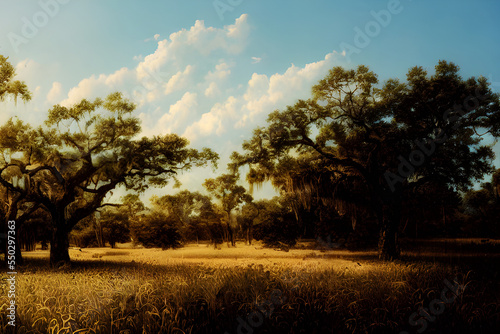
(250, 289)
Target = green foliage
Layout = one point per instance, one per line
(157, 230)
(191, 211)
(83, 152)
(482, 208)
(227, 191)
(360, 133)
(84, 233)
(230, 196)
(115, 226)
(8, 86)
(275, 224)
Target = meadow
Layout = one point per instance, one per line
(444, 287)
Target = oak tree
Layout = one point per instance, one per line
(85, 151)
(393, 137)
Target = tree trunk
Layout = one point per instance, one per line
(388, 243)
(388, 246)
(249, 236)
(59, 244)
(231, 234)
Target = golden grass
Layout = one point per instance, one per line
(198, 289)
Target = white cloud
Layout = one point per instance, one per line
(179, 80)
(212, 90)
(193, 84)
(55, 93)
(178, 114)
(99, 86)
(215, 121)
(256, 60)
(240, 113)
(265, 94)
(152, 62)
(222, 71)
(169, 70)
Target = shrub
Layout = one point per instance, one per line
(279, 232)
(157, 230)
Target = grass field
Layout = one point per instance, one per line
(249, 289)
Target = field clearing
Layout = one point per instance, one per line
(241, 255)
(249, 289)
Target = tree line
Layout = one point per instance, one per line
(359, 163)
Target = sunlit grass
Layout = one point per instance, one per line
(201, 290)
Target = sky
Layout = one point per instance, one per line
(212, 71)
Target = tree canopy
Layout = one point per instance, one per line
(392, 138)
(83, 152)
(230, 195)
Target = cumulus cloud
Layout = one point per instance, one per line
(170, 68)
(179, 80)
(178, 114)
(212, 90)
(215, 121)
(99, 86)
(187, 84)
(55, 93)
(221, 72)
(264, 94)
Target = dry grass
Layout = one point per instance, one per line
(201, 290)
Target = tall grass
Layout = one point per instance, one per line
(317, 296)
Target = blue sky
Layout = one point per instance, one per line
(213, 70)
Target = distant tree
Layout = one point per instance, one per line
(190, 209)
(115, 226)
(157, 230)
(275, 224)
(249, 212)
(393, 139)
(431, 210)
(85, 233)
(483, 208)
(36, 228)
(230, 195)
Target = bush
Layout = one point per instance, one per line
(281, 232)
(157, 230)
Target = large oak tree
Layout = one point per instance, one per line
(85, 151)
(393, 137)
